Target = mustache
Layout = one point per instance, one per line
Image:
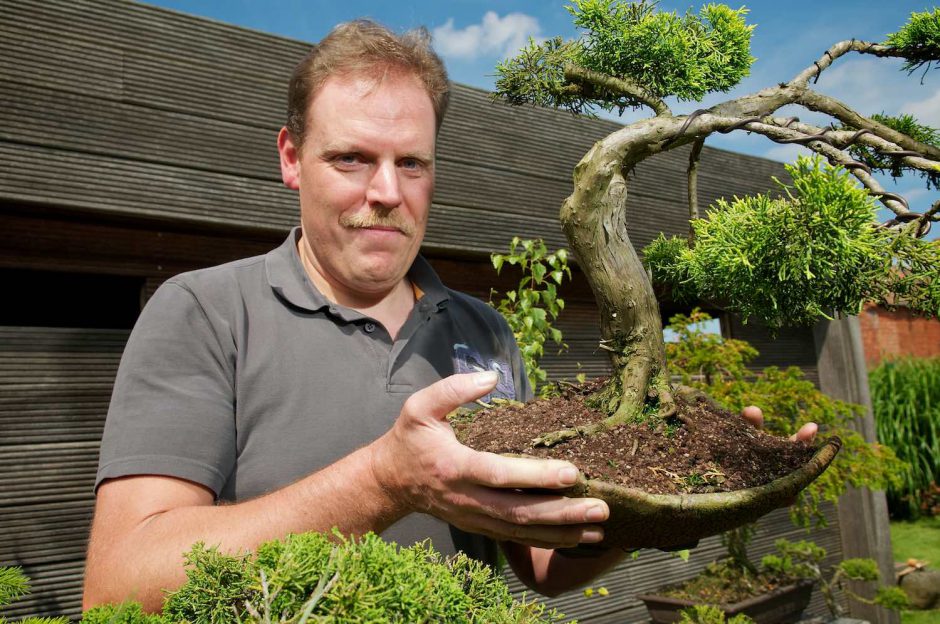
(391, 219)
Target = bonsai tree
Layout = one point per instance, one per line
(630, 56)
(813, 249)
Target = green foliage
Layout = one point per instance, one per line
(685, 56)
(813, 253)
(891, 597)
(313, 578)
(906, 402)
(215, 583)
(13, 585)
(664, 259)
(710, 614)
(804, 560)
(700, 356)
(788, 401)
(859, 569)
(915, 280)
(536, 75)
(918, 40)
(532, 308)
(895, 167)
(124, 613)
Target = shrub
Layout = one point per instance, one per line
(313, 577)
(906, 401)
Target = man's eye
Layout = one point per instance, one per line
(411, 163)
(348, 159)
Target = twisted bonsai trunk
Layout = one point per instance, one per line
(594, 220)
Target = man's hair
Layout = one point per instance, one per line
(363, 47)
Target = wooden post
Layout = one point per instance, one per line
(863, 514)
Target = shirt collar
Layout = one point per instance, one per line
(288, 279)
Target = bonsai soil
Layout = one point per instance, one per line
(700, 449)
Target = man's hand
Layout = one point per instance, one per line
(420, 463)
(755, 416)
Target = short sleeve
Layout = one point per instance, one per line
(172, 408)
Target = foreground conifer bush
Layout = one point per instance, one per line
(317, 578)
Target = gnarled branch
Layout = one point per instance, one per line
(618, 86)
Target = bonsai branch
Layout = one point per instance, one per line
(839, 49)
(617, 86)
(694, 156)
(821, 144)
(845, 138)
(816, 101)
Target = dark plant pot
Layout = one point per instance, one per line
(642, 520)
(781, 606)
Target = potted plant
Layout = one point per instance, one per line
(812, 250)
(771, 592)
(779, 589)
(793, 571)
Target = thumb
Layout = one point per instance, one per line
(446, 395)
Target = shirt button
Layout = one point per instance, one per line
(369, 327)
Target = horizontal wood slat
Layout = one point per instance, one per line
(55, 385)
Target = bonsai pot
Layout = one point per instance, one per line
(780, 606)
(642, 520)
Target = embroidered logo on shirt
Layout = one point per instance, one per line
(467, 360)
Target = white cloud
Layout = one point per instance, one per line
(926, 111)
(494, 34)
(786, 153)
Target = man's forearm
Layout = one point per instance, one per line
(144, 524)
(551, 572)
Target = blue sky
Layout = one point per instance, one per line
(472, 35)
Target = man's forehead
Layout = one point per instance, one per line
(362, 84)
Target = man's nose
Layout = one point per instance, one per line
(384, 188)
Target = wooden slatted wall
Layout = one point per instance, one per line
(55, 385)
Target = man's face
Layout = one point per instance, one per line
(366, 176)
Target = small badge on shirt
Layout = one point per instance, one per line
(467, 360)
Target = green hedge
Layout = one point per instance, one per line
(906, 400)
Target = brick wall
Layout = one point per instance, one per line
(889, 334)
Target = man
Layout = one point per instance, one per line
(307, 388)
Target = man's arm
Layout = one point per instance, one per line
(143, 524)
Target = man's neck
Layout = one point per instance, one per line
(390, 308)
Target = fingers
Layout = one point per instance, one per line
(753, 415)
(527, 509)
(536, 520)
(446, 395)
(806, 433)
(539, 536)
(497, 471)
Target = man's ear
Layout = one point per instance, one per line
(290, 160)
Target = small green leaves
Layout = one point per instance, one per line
(531, 309)
(859, 569)
(908, 125)
(919, 40)
(313, 577)
(13, 585)
(891, 598)
(812, 253)
(718, 366)
(664, 53)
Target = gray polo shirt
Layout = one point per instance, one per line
(244, 378)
